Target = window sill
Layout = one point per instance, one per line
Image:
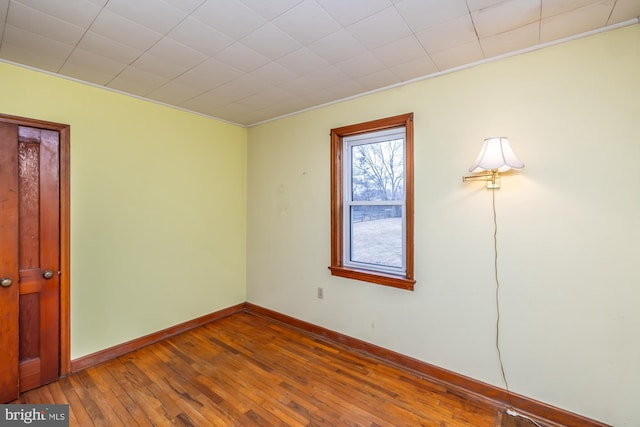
(400, 282)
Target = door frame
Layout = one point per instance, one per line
(65, 228)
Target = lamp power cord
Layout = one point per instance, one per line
(510, 410)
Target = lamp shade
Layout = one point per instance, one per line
(496, 153)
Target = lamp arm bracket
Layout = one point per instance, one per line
(492, 179)
(482, 177)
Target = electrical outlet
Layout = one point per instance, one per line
(320, 293)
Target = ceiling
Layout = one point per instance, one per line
(249, 61)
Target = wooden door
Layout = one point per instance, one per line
(9, 291)
(30, 252)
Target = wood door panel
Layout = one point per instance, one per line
(30, 374)
(9, 296)
(29, 180)
(29, 323)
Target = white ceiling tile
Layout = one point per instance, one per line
(360, 65)
(575, 21)
(46, 25)
(270, 9)
(302, 61)
(78, 12)
(327, 77)
(510, 41)
(505, 16)
(92, 68)
(337, 47)
(174, 52)
(199, 36)
(160, 67)
(457, 56)
(270, 41)
(242, 57)
(125, 31)
(136, 81)
(230, 17)
(624, 10)
(23, 39)
(422, 14)
(162, 20)
(30, 57)
(100, 3)
(208, 75)
(379, 29)
(186, 6)
(242, 87)
(379, 79)
(230, 111)
(448, 35)
(273, 73)
(265, 98)
(306, 22)
(298, 86)
(252, 117)
(206, 102)
(295, 103)
(173, 93)
(415, 69)
(352, 11)
(92, 61)
(271, 112)
(400, 51)
(345, 89)
(103, 46)
(481, 4)
(556, 7)
(319, 97)
(4, 8)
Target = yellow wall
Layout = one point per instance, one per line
(158, 208)
(569, 225)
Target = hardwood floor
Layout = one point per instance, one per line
(245, 370)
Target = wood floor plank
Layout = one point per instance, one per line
(245, 370)
(141, 395)
(77, 410)
(109, 400)
(127, 404)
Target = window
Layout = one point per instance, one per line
(372, 201)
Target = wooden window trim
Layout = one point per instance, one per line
(337, 267)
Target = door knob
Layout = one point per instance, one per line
(47, 274)
(5, 282)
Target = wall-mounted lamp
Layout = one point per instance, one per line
(495, 156)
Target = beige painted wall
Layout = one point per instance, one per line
(157, 208)
(569, 225)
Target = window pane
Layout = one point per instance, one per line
(377, 171)
(376, 235)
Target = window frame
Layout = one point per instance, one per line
(338, 267)
(350, 144)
